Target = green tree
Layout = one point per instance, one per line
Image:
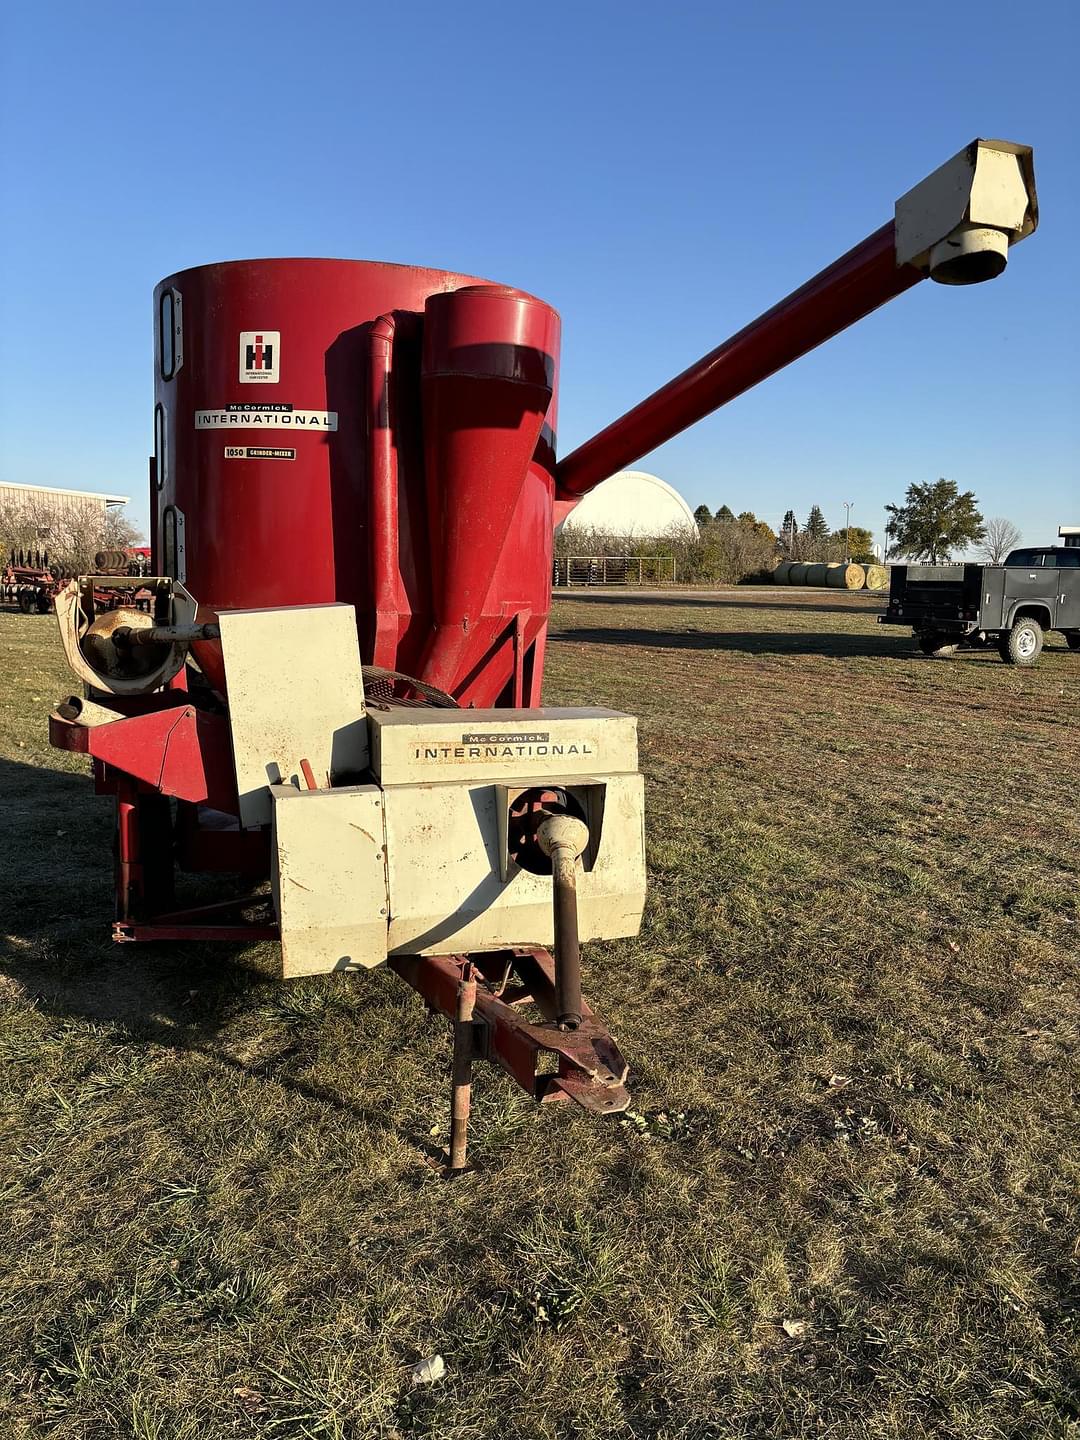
(703, 515)
(814, 540)
(724, 515)
(749, 521)
(934, 520)
(815, 528)
(858, 540)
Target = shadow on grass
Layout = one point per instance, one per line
(55, 943)
(731, 600)
(838, 644)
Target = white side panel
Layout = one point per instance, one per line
(329, 878)
(430, 747)
(443, 866)
(295, 693)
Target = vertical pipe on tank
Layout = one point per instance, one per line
(383, 493)
(487, 378)
(155, 560)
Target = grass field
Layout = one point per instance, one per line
(847, 1203)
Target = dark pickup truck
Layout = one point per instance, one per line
(1010, 606)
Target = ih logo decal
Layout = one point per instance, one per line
(260, 356)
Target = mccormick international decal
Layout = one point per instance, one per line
(486, 745)
(268, 416)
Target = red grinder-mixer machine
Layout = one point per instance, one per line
(332, 697)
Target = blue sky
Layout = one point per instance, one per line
(659, 173)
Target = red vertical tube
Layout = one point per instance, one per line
(487, 379)
(128, 868)
(383, 493)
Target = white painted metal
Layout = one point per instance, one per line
(418, 862)
(329, 878)
(418, 747)
(988, 186)
(295, 693)
(446, 890)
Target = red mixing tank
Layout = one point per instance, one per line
(379, 435)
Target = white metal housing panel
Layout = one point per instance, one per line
(295, 693)
(329, 878)
(990, 183)
(442, 845)
(418, 747)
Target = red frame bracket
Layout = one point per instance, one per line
(583, 1065)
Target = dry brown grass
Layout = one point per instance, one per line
(853, 1019)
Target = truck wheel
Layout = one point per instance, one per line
(1023, 644)
(1073, 640)
(26, 601)
(937, 646)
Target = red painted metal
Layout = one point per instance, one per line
(388, 595)
(488, 377)
(178, 751)
(584, 1065)
(128, 868)
(348, 402)
(391, 445)
(207, 840)
(383, 436)
(853, 286)
(190, 931)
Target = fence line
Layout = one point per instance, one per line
(614, 570)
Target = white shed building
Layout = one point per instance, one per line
(634, 504)
(47, 504)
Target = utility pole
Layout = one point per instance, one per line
(848, 506)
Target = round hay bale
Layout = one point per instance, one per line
(877, 577)
(797, 573)
(815, 574)
(780, 574)
(847, 577)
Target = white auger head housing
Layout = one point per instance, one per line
(957, 225)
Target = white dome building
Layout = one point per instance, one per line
(634, 504)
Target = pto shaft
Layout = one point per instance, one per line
(127, 636)
(563, 839)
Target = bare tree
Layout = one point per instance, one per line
(726, 551)
(71, 532)
(121, 532)
(1001, 537)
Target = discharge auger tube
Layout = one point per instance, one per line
(850, 288)
(956, 227)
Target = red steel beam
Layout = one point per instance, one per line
(853, 286)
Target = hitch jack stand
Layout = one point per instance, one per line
(504, 1009)
(461, 1071)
